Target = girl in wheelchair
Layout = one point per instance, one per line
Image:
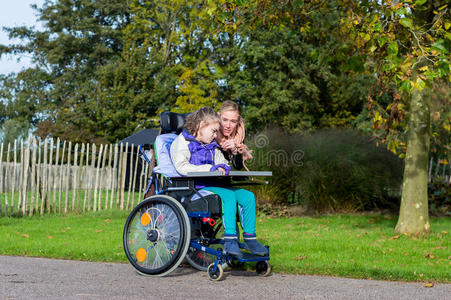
(195, 150)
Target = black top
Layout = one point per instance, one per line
(235, 159)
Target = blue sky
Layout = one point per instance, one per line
(16, 13)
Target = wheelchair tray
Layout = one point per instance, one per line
(234, 178)
(231, 174)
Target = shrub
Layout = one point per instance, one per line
(439, 191)
(327, 170)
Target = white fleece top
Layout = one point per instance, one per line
(181, 155)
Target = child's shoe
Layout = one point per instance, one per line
(251, 243)
(231, 245)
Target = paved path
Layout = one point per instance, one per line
(40, 278)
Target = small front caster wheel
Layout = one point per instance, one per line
(263, 268)
(215, 275)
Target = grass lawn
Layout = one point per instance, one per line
(77, 201)
(355, 246)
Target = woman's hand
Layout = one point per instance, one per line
(223, 172)
(230, 145)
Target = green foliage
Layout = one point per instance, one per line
(280, 77)
(406, 45)
(13, 129)
(328, 171)
(105, 69)
(79, 36)
(172, 41)
(439, 192)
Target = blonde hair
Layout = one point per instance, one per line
(206, 114)
(229, 105)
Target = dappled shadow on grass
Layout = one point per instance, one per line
(376, 222)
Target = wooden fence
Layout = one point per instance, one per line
(439, 168)
(43, 176)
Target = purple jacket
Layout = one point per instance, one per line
(200, 154)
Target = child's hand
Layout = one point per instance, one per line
(223, 168)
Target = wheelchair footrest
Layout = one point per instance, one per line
(249, 257)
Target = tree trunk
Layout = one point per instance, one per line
(413, 215)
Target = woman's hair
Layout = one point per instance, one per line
(206, 114)
(229, 105)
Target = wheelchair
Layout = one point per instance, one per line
(181, 221)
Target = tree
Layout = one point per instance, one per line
(105, 69)
(13, 129)
(404, 45)
(169, 43)
(281, 77)
(79, 36)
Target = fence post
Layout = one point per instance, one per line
(49, 175)
(61, 177)
(34, 178)
(74, 181)
(85, 196)
(1, 175)
(91, 172)
(102, 177)
(55, 175)
(26, 163)
(109, 178)
(38, 177)
(430, 169)
(19, 187)
(14, 177)
(96, 182)
(119, 176)
(437, 167)
(130, 173)
(79, 175)
(1, 178)
(7, 177)
(113, 176)
(124, 165)
(44, 167)
(135, 171)
(66, 178)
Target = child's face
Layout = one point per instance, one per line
(207, 132)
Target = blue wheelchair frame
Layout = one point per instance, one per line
(178, 187)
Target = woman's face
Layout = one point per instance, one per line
(229, 122)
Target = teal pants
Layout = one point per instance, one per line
(246, 203)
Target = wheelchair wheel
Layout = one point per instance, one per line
(156, 235)
(215, 275)
(263, 268)
(207, 236)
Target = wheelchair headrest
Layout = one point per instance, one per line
(163, 157)
(171, 122)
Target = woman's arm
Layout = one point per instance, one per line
(236, 160)
(181, 155)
